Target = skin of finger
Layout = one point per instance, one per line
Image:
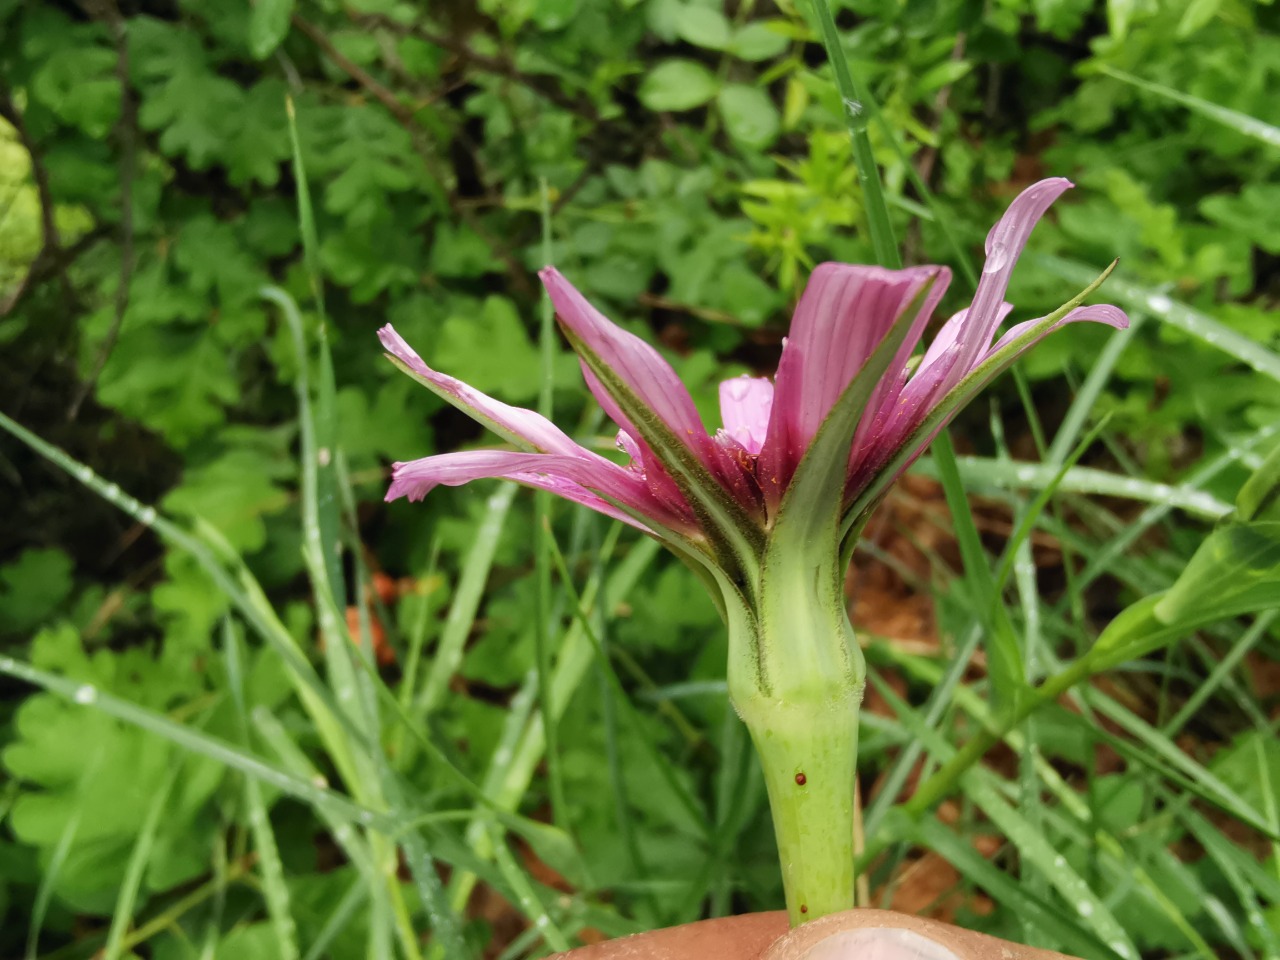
(965, 944)
(728, 938)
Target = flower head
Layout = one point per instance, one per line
(846, 414)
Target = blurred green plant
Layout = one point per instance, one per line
(146, 200)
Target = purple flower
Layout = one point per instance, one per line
(846, 367)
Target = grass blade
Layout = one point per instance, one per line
(466, 601)
(853, 97)
(135, 870)
(988, 475)
(1237, 121)
(48, 881)
(1005, 664)
(274, 890)
(197, 742)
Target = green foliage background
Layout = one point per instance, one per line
(695, 164)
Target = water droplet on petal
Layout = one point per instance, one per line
(997, 258)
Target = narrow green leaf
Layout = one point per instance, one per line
(523, 738)
(1037, 851)
(1005, 664)
(543, 613)
(197, 742)
(988, 475)
(467, 595)
(136, 868)
(339, 919)
(274, 889)
(1247, 880)
(49, 877)
(854, 97)
(1235, 571)
(1199, 325)
(1259, 498)
(526, 897)
(1240, 122)
(1161, 753)
(320, 430)
(228, 572)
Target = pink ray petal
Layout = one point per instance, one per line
(935, 371)
(655, 384)
(744, 408)
(644, 370)
(582, 480)
(845, 312)
(924, 391)
(513, 423)
(1005, 243)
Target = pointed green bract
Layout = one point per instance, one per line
(953, 402)
(734, 536)
(801, 559)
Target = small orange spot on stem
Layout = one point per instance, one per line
(801, 779)
(804, 908)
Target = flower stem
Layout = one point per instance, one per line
(855, 101)
(808, 751)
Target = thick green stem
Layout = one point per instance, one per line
(808, 751)
(795, 677)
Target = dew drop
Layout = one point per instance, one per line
(147, 515)
(997, 258)
(1159, 303)
(85, 694)
(324, 456)
(1085, 908)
